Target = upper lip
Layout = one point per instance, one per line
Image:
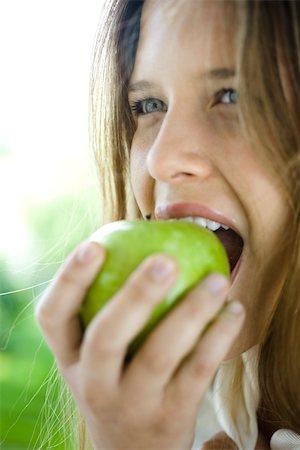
(178, 210)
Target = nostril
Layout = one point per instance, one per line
(182, 175)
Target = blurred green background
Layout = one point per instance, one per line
(32, 403)
(48, 197)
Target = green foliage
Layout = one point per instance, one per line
(32, 403)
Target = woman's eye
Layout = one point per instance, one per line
(147, 106)
(227, 96)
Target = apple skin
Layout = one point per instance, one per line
(196, 250)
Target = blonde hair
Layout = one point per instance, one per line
(268, 64)
(271, 116)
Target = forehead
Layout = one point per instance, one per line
(186, 34)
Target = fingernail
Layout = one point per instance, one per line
(236, 308)
(162, 268)
(87, 251)
(215, 283)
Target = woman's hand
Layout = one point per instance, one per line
(152, 403)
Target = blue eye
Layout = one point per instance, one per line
(228, 96)
(147, 106)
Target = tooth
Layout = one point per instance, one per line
(200, 221)
(213, 226)
(203, 222)
(186, 219)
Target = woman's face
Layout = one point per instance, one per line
(188, 155)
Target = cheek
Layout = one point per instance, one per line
(139, 176)
(138, 159)
(268, 210)
(143, 140)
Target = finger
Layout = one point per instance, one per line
(107, 338)
(175, 337)
(57, 311)
(196, 373)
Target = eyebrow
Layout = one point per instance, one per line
(219, 74)
(214, 74)
(142, 85)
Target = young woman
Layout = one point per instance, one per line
(195, 112)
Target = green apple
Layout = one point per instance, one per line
(196, 250)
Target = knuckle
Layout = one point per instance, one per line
(42, 314)
(204, 308)
(144, 274)
(203, 368)
(89, 395)
(94, 340)
(142, 285)
(136, 287)
(154, 360)
(67, 275)
(129, 417)
(168, 423)
(227, 330)
(97, 401)
(46, 315)
(71, 273)
(195, 308)
(139, 289)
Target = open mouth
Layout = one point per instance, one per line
(231, 240)
(233, 244)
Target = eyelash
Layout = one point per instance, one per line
(223, 92)
(137, 107)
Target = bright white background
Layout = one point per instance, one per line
(45, 56)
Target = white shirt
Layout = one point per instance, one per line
(231, 406)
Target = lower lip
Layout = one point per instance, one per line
(235, 270)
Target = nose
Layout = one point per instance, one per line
(180, 151)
